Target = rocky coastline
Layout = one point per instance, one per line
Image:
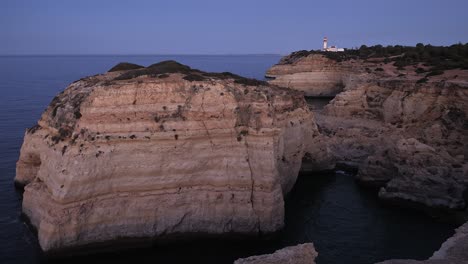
(406, 137)
(167, 152)
(164, 151)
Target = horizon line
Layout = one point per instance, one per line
(122, 54)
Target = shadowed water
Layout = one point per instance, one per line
(346, 224)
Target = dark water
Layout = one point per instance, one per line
(347, 224)
(317, 103)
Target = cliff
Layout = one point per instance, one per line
(161, 151)
(404, 129)
(315, 75)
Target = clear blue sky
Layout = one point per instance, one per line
(223, 27)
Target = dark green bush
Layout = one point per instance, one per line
(164, 68)
(124, 66)
(436, 57)
(194, 77)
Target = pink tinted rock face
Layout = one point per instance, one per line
(154, 155)
(379, 108)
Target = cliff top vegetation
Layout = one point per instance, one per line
(436, 58)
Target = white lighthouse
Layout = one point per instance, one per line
(331, 48)
(325, 43)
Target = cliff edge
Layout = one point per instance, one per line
(401, 122)
(159, 151)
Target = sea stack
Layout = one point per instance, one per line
(162, 151)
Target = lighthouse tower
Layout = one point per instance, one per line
(325, 43)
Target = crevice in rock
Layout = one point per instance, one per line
(179, 223)
(252, 184)
(203, 122)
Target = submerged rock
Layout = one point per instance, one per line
(300, 254)
(150, 153)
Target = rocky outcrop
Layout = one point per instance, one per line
(314, 74)
(407, 136)
(410, 139)
(415, 172)
(452, 251)
(160, 151)
(300, 254)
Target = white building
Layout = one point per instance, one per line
(331, 48)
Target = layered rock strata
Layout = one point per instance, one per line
(408, 136)
(160, 151)
(300, 254)
(315, 75)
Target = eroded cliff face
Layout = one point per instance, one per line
(315, 75)
(160, 151)
(408, 136)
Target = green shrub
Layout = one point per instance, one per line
(164, 68)
(124, 66)
(194, 77)
(439, 57)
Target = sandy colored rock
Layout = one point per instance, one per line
(363, 125)
(414, 172)
(300, 254)
(315, 75)
(160, 151)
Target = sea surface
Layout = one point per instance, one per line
(347, 224)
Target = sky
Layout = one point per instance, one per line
(223, 27)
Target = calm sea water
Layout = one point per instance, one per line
(346, 224)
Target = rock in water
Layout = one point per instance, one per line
(161, 151)
(414, 172)
(300, 254)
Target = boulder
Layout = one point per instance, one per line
(413, 172)
(300, 254)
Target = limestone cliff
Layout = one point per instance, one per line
(314, 74)
(160, 151)
(405, 132)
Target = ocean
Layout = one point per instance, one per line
(347, 224)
